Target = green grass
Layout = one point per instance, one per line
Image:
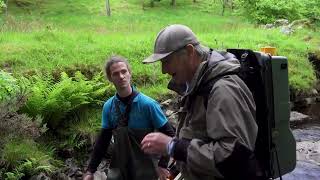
(15, 152)
(59, 34)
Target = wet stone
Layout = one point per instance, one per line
(297, 118)
(166, 103)
(307, 134)
(309, 151)
(169, 113)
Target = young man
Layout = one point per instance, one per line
(216, 134)
(128, 116)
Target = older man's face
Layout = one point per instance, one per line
(177, 67)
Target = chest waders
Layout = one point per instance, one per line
(128, 161)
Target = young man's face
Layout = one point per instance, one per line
(120, 75)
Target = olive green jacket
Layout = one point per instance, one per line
(228, 118)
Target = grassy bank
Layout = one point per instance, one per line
(58, 34)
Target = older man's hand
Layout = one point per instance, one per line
(163, 173)
(88, 176)
(155, 143)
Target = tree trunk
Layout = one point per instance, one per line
(173, 2)
(223, 6)
(108, 8)
(231, 4)
(6, 10)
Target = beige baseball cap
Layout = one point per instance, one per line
(171, 39)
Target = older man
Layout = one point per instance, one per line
(216, 134)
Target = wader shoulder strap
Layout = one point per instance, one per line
(124, 117)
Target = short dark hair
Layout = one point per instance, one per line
(114, 59)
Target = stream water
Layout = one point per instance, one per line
(308, 153)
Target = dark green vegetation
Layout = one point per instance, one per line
(55, 51)
(266, 11)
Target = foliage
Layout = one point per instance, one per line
(266, 11)
(29, 168)
(87, 123)
(8, 86)
(13, 175)
(74, 142)
(54, 101)
(312, 9)
(2, 5)
(156, 92)
(13, 94)
(14, 124)
(26, 3)
(26, 158)
(88, 70)
(83, 131)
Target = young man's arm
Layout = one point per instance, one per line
(101, 144)
(100, 147)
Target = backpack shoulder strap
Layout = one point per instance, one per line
(205, 89)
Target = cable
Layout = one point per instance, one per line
(278, 164)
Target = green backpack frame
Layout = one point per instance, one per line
(267, 78)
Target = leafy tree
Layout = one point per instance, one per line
(225, 4)
(266, 11)
(311, 9)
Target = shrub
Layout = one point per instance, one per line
(16, 126)
(8, 86)
(311, 9)
(2, 5)
(24, 158)
(267, 11)
(12, 124)
(84, 130)
(26, 3)
(88, 70)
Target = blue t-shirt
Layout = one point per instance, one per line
(145, 113)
